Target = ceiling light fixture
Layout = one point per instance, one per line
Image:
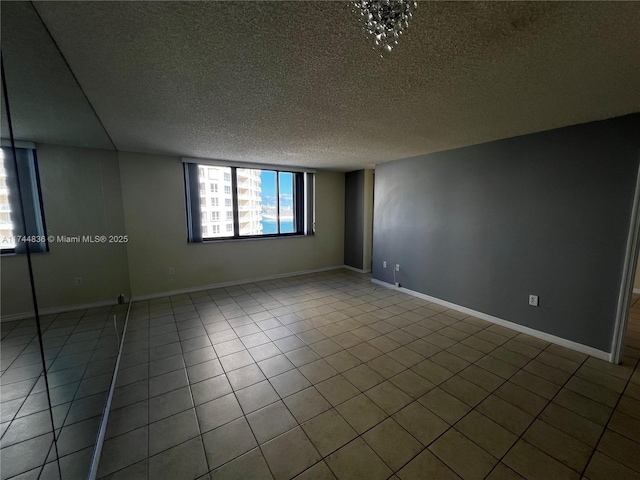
(384, 20)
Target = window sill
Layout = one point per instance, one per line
(249, 239)
(22, 254)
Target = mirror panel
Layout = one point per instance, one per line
(67, 165)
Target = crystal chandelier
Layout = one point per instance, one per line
(384, 20)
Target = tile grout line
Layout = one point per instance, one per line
(606, 426)
(195, 413)
(333, 407)
(244, 415)
(536, 417)
(450, 426)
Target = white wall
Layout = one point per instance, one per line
(155, 218)
(81, 196)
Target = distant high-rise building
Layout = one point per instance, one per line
(216, 201)
(6, 225)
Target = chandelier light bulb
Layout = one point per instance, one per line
(384, 20)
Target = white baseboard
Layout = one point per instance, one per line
(578, 347)
(234, 283)
(358, 270)
(54, 310)
(636, 290)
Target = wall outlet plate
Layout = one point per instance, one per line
(397, 267)
(384, 264)
(533, 300)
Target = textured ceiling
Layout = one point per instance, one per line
(297, 83)
(47, 105)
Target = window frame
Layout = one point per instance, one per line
(303, 202)
(28, 175)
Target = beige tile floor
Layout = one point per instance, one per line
(328, 376)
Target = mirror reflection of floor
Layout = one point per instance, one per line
(80, 350)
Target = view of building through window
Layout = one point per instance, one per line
(265, 198)
(212, 186)
(7, 229)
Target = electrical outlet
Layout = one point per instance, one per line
(171, 271)
(397, 267)
(79, 281)
(384, 264)
(533, 300)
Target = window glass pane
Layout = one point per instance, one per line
(286, 202)
(7, 228)
(10, 212)
(266, 202)
(253, 200)
(210, 180)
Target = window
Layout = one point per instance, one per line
(201, 188)
(215, 216)
(11, 200)
(205, 230)
(214, 188)
(214, 202)
(263, 203)
(215, 229)
(212, 173)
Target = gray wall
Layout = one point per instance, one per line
(545, 214)
(354, 218)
